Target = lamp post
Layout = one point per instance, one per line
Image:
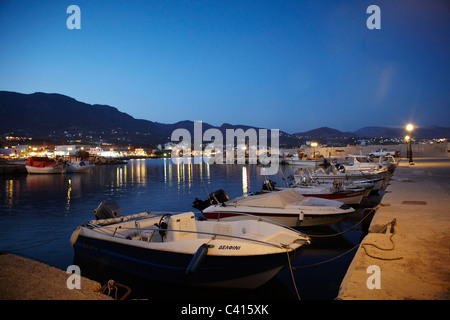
(407, 146)
(410, 128)
(314, 145)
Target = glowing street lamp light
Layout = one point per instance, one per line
(410, 128)
(407, 146)
(314, 145)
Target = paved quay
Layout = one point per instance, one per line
(406, 254)
(25, 279)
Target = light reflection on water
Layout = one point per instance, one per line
(39, 208)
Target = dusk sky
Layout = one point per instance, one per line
(288, 65)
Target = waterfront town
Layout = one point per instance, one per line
(16, 147)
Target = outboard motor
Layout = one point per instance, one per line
(268, 185)
(108, 209)
(219, 196)
(340, 167)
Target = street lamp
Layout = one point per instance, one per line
(410, 128)
(407, 146)
(314, 145)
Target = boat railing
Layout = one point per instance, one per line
(260, 218)
(124, 233)
(136, 217)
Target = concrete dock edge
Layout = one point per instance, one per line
(406, 253)
(25, 279)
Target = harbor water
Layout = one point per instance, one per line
(38, 213)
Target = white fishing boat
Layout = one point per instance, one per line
(44, 165)
(80, 166)
(351, 196)
(374, 179)
(181, 249)
(362, 163)
(336, 175)
(359, 163)
(304, 163)
(287, 207)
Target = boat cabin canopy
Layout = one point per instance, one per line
(40, 162)
(278, 199)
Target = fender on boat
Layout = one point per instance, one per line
(197, 260)
(74, 236)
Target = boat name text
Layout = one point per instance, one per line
(223, 247)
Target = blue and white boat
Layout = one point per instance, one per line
(79, 166)
(179, 248)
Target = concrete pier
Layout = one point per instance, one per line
(406, 254)
(25, 279)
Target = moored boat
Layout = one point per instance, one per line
(372, 181)
(287, 207)
(351, 196)
(80, 166)
(44, 165)
(179, 248)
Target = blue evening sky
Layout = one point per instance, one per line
(289, 65)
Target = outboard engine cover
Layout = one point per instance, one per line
(268, 185)
(219, 196)
(108, 209)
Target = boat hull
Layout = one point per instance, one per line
(45, 170)
(292, 220)
(84, 169)
(347, 197)
(168, 266)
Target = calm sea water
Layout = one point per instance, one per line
(39, 212)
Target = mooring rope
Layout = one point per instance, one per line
(292, 274)
(40, 244)
(383, 229)
(392, 223)
(342, 232)
(322, 262)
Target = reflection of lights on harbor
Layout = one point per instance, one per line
(185, 172)
(143, 171)
(244, 181)
(138, 171)
(119, 178)
(178, 175)
(165, 170)
(170, 172)
(190, 174)
(69, 190)
(9, 193)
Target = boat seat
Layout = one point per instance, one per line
(184, 222)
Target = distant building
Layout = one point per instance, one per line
(362, 142)
(70, 150)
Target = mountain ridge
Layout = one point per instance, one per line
(42, 113)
